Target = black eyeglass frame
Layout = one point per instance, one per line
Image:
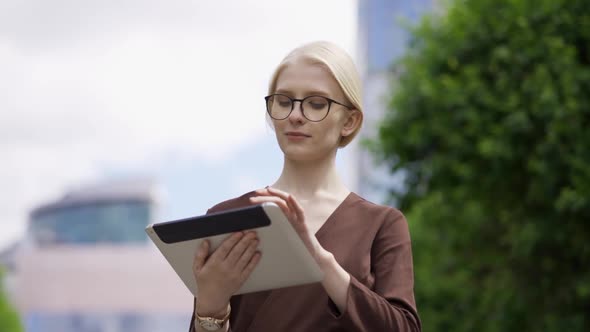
(293, 100)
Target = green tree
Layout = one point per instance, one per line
(9, 320)
(490, 124)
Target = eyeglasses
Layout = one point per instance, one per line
(313, 108)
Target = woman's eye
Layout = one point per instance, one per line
(317, 106)
(284, 103)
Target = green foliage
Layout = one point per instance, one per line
(490, 123)
(9, 320)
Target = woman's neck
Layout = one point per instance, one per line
(311, 179)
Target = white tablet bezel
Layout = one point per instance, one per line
(285, 260)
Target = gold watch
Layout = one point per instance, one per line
(212, 323)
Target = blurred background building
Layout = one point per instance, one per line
(382, 39)
(86, 265)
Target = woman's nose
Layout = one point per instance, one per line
(297, 113)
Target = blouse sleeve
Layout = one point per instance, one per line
(390, 306)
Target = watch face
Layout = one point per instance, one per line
(210, 325)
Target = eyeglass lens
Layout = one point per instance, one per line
(315, 108)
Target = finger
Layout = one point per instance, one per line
(297, 208)
(283, 194)
(251, 265)
(201, 256)
(226, 246)
(262, 192)
(291, 201)
(270, 191)
(273, 199)
(238, 250)
(247, 255)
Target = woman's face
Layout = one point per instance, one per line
(299, 138)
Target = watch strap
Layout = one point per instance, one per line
(218, 321)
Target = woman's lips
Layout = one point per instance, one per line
(296, 136)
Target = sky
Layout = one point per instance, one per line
(172, 90)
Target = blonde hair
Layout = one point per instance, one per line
(338, 63)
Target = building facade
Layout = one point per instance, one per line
(382, 39)
(86, 265)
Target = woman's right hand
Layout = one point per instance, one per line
(222, 273)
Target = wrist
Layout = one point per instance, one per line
(211, 322)
(331, 268)
(204, 309)
(326, 261)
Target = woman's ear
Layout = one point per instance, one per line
(352, 122)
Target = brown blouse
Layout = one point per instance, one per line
(372, 243)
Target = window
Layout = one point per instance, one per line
(105, 322)
(107, 222)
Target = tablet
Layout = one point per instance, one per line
(285, 260)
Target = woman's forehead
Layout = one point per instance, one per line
(305, 76)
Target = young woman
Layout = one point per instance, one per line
(364, 249)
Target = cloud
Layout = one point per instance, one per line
(92, 84)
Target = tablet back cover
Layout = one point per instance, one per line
(285, 261)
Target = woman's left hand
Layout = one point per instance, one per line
(336, 280)
(296, 216)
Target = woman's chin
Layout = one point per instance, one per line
(297, 153)
(303, 154)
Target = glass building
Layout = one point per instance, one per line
(99, 220)
(381, 40)
(86, 265)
